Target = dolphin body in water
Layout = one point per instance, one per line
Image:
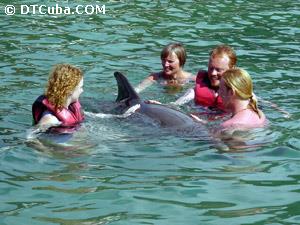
(166, 116)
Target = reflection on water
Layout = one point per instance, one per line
(129, 170)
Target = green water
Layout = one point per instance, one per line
(127, 173)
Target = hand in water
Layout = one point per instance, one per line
(198, 119)
(152, 102)
(34, 132)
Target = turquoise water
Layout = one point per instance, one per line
(118, 171)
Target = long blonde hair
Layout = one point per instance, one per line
(62, 81)
(239, 81)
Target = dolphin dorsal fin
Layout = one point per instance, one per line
(126, 92)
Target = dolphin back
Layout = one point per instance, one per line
(126, 92)
(166, 116)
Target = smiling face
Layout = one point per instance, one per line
(171, 64)
(216, 67)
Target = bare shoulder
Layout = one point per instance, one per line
(189, 76)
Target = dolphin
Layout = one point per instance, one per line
(164, 115)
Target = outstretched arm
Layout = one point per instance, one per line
(188, 96)
(198, 119)
(48, 121)
(44, 124)
(145, 83)
(285, 113)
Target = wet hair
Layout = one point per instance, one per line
(222, 50)
(239, 81)
(178, 49)
(63, 79)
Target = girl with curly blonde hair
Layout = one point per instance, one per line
(60, 106)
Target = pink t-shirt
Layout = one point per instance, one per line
(245, 119)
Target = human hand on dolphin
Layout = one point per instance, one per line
(198, 119)
(152, 102)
